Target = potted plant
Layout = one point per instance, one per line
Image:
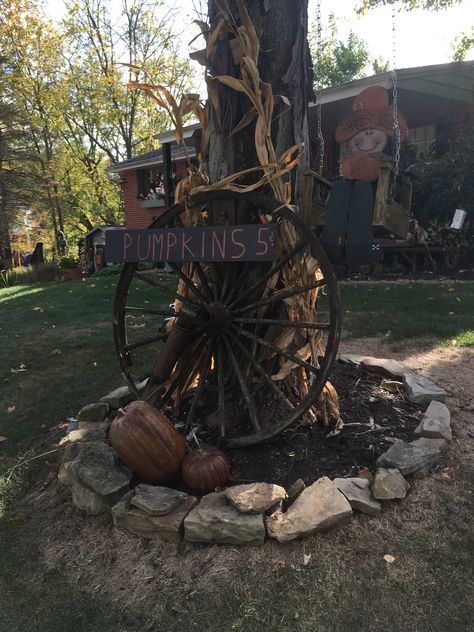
(70, 265)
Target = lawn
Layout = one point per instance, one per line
(60, 570)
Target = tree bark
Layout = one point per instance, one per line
(285, 63)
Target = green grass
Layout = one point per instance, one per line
(58, 354)
(433, 313)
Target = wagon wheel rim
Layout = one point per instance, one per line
(219, 353)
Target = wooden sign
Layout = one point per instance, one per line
(248, 242)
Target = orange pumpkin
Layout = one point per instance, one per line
(147, 442)
(205, 469)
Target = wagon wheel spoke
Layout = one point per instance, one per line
(221, 392)
(239, 282)
(229, 273)
(253, 360)
(150, 310)
(145, 342)
(204, 282)
(276, 267)
(188, 282)
(163, 288)
(203, 374)
(277, 350)
(283, 323)
(243, 386)
(280, 295)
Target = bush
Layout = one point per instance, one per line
(42, 273)
(68, 262)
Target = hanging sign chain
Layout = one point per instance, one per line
(319, 89)
(396, 124)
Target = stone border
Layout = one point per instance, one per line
(248, 514)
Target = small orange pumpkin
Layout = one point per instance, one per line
(147, 442)
(205, 468)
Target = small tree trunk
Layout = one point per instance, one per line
(285, 63)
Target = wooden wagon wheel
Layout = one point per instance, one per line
(232, 330)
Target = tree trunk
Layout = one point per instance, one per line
(285, 63)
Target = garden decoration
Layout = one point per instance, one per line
(363, 135)
(254, 328)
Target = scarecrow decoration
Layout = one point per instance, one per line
(363, 135)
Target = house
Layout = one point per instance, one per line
(436, 101)
(140, 174)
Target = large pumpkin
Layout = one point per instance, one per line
(205, 469)
(147, 442)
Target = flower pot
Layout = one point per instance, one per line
(73, 273)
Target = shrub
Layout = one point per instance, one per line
(42, 273)
(68, 262)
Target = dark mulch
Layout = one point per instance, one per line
(306, 452)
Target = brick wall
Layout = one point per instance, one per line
(135, 215)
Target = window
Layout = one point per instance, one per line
(149, 180)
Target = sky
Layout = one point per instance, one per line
(422, 37)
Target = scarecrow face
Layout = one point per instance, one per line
(368, 140)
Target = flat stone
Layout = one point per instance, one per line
(386, 366)
(168, 528)
(389, 484)
(358, 493)
(121, 396)
(66, 472)
(215, 520)
(350, 358)
(88, 432)
(255, 498)
(95, 466)
(436, 424)
(86, 499)
(426, 442)
(320, 507)
(406, 457)
(157, 501)
(93, 412)
(421, 390)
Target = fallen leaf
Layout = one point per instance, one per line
(3, 439)
(37, 309)
(389, 559)
(306, 558)
(56, 352)
(10, 409)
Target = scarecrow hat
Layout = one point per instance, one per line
(371, 109)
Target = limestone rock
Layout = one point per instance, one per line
(88, 431)
(319, 507)
(421, 390)
(358, 493)
(157, 501)
(95, 466)
(121, 396)
(350, 358)
(436, 424)
(426, 442)
(215, 520)
(389, 484)
(386, 366)
(66, 472)
(294, 491)
(168, 528)
(91, 502)
(406, 457)
(255, 498)
(93, 412)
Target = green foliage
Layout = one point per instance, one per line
(42, 273)
(446, 183)
(341, 61)
(463, 44)
(431, 5)
(68, 262)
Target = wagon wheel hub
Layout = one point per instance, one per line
(214, 317)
